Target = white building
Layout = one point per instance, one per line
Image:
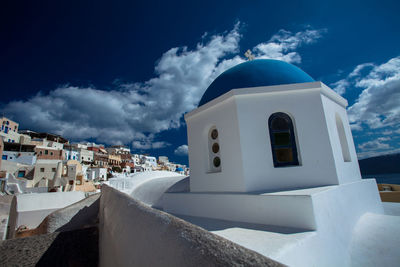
(271, 148)
(78, 152)
(27, 158)
(118, 150)
(9, 130)
(97, 174)
(149, 161)
(43, 142)
(71, 154)
(47, 173)
(85, 156)
(136, 159)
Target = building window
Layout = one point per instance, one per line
(21, 173)
(53, 169)
(46, 152)
(41, 169)
(342, 138)
(4, 157)
(51, 153)
(283, 140)
(214, 150)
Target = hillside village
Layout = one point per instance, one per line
(32, 162)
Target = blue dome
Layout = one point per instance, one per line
(260, 72)
(179, 169)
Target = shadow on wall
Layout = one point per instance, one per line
(134, 234)
(73, 248)
(211, 224)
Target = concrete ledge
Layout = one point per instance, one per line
(134, 234)
(285, 209)
(82, 214)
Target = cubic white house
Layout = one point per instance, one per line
(270, 146)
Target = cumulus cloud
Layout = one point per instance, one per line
(375, 153)
(378, 104)
(181, 150)
(134, 112)
(147, 142)
(376, 111)
(373, 145)
(284, 44)
(340, 86)
(376, 147)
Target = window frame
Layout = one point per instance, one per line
(292, 141)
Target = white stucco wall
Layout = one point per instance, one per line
(71, 154)
(31, 209)
(97, 173)
(49, 173)
(133, 234)
(330, 214)
(85, 155)
(316, 166)
(346, 171)
(223, 116)
(27, 158)
(11, 136)
(241, 117)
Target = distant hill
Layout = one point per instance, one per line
(380, 164)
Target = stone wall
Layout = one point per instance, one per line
(134, 234)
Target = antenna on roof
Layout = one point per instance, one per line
(249, 55)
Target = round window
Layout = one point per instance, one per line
(217, 162)
(215, 147)
(214, 134)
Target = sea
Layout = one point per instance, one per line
(388, 178)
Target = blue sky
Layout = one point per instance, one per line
(125, 72)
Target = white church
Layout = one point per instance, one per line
(274, 169)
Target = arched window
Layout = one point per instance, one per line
(343, 139)
(214, 150)
(283, 140)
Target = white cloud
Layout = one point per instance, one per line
(143, 142)
(283, 45)
(376, 111)
(373, 145)
(357, 70)
(181, 150)
(387, 132)
(135, 112)
(374, 153)
(340, 86)
(378, 104)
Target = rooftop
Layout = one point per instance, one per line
(255, 73)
